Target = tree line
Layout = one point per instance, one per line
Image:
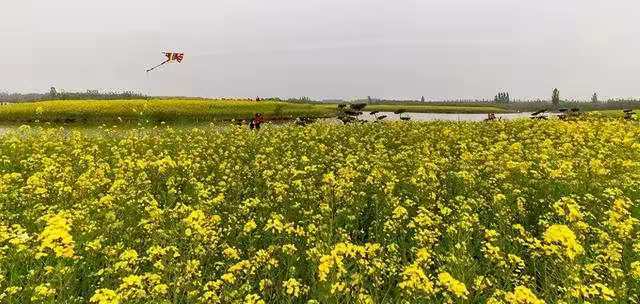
(54, 94)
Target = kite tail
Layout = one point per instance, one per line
(157, 66)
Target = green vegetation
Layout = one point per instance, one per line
(555, 98)
(615, 114)
(502, 97)
(54, 94)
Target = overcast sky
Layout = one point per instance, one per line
(324, 48)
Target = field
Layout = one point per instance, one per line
(439, 212)
(190, 110)
(614, 113)
(167, 110)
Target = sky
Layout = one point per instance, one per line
(324, 49)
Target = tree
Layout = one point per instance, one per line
(555, 98)
(594, 98)
(422, 99)
(502, 97)
(53, 92)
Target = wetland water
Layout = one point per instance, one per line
(442, 116)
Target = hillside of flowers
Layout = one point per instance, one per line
(438, 212)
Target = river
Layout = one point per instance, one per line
(390, 116)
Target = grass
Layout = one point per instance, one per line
(611, 113)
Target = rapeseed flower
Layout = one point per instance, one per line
(522, 295)
(105, 296)
(452, 285)
(56, 236)
(366, 213)
(563, 240)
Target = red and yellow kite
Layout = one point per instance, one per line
(174, 56)
(170, 57)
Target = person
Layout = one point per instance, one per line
(256, 121)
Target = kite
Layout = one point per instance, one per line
(170, 57)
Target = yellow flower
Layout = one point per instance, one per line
(229, 278)
(289, 249)
(499, 198)
(231, 253)
(129, 255)
(454, 286)
(195, 222)
(131, 281)
(338, 287)
(415, 280)
(56, 236)
(42, 291)
(160, 289)
(292, 287)
(274, 224)
(399, 213)
(568, 208)
(249, 226)
(522, 295)
(253, 299)
(264, 284)
(94, 245)
(105, 296)
(11, 290)
(563, 236)
(127, 259)
(597, 167)
(635, 270)
(365, 299)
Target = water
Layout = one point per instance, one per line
(442, 116)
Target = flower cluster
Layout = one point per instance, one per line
(439, 212)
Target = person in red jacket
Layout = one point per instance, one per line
(256, 121)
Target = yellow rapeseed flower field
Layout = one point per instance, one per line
(438, 212)
(155, 110)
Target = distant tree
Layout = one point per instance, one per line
(422, 99)
(502, 97)
(555, 98)
(303, 99)
(369, 98)
(53, 92)
(594, 98)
